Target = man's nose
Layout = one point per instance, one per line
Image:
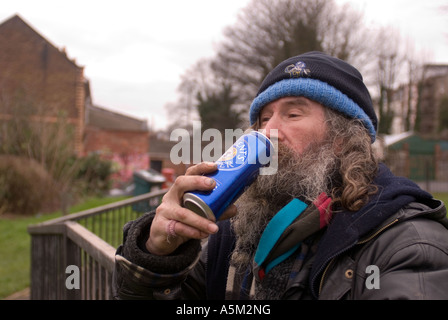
(272, 129)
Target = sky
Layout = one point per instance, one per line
(134, 52)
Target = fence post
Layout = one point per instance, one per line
(72, 258)
(64, 241)
(47, 256)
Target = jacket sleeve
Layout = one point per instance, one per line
(414, 264)
(138, 274)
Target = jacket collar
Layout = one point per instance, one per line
(347, 228)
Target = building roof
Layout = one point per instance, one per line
(160, 146)
(105, 119)
(416, 143)
(17, 21)
(95, 116)
(395, 138)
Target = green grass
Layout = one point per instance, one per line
(15, 246)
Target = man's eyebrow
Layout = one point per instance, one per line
(290, 102)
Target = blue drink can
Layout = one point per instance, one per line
(237, 169)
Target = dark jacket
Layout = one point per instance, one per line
(396, 247)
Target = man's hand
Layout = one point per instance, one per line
(174, 224)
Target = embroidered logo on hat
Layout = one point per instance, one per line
(297, 70)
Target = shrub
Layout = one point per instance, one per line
(93, 175)
(25, 186)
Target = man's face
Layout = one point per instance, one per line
(299, 121)
(307, 165)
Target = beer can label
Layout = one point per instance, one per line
(237, 168)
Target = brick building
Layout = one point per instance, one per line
(428, 92)
(119, 138)
(418, 147)
(159, 151)
(37, 74)
(433, 92)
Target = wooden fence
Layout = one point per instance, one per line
(72, 257)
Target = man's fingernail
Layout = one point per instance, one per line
(213, 228)
(210, 164)
(209, 181)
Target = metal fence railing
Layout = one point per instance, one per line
(427, 170)
(72, 257)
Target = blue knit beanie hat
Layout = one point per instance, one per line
(317, 76)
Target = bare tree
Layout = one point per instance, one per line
(345, 36)
(388, 63)
(268, 32)
(198, 79)
(265, 34)
(207, 96)
(415, 78)
(28, 132)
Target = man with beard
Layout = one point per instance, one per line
(316, 229)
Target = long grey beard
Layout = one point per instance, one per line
(303, 176)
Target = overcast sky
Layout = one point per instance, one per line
(134, 52)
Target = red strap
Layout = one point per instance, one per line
(261, 273)
(322, 203)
